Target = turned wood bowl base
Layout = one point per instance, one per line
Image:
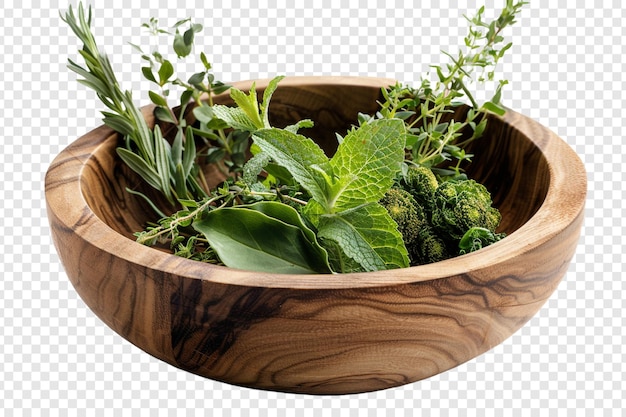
(320, 334)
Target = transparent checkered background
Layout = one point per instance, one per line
(565, 70)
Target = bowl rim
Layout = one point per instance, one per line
(567, 182)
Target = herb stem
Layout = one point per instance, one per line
(160, 231)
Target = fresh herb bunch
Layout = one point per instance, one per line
(384, 200)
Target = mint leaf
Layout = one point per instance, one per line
(247, 115)
(248, 104)
(301, 124)
(234, 117)
(299, 155)
(267, 96)
(265, 237)
(362, 239)
(366, 163)
(253, 168)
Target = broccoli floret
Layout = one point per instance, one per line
(421, 183)
(427, 248)
(405, 211)
(477, 238)
(459, 205)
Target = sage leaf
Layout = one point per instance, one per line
(245, 237)
(365, 236)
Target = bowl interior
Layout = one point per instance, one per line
(509, 163)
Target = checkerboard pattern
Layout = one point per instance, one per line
(565, 70)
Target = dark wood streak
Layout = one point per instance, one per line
(320, 334)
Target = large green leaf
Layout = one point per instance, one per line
(266, 237)
(362, 239)
(367, 162)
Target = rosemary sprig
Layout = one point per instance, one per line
(146, 151)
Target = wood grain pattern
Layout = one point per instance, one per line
(321, 334)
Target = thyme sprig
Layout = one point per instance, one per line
(433, 141)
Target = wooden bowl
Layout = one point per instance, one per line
(321, 334)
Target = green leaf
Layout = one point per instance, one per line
(164, 114)
(253, 167)
(498, 94)
(367, 162)
(298, 155)
(147, 199)
(480, 128)
(494, 108)
(280, 173)
(179, 180)
(186, 97)
(197, 79)
(277, 242)
(313, 211)
(204, 113)
(181, 22)
(189, 152)
(140, 166)
(188, 36)
(286, 214)
(248, 104)
(118, 123)
(165, 72)
(267, 96)
(162, 162)
(302, 124)
(157, 99)
(90, 80)
(365, 236)
(177, 148)
(205, 61)
(180, 47)
(235, 117)
(219, 87)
